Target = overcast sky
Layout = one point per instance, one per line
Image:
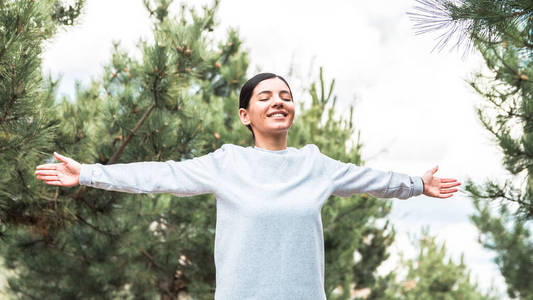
(413, 108)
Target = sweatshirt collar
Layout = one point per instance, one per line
(272, 151)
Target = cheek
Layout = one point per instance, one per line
(258, 114)
(293, 111)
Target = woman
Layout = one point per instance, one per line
(269, 240)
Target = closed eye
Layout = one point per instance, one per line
(267, 99)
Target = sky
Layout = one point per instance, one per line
(413, 107)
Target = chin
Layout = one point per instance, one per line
(277, 128)
(280, 129)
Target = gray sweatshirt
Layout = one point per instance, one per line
(268, 240)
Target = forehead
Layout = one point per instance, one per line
(272, 84)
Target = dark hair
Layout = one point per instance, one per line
(248, 89)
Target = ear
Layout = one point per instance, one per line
(243, 115)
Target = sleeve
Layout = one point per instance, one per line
(184, 178)
(349, 179)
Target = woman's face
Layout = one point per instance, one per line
(269, 97)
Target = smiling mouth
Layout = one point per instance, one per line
(278, 116)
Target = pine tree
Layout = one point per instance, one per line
(177, 102)
(502, 31)
(25, 99)
(432, 275)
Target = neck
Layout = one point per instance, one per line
(271, 142)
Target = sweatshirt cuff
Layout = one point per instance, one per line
(85, 174)
(418, 187)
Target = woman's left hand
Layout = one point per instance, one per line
(438, 187)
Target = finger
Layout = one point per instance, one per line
(449, 185)
(45, 172)
(53, 182)
(448, 191)
(61, 157)
(47, 177)
(435, 169)
(445, 196)
(47, 167)
(443, 180)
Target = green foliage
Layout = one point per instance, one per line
(507, 235)
(26, 103)
(432, 275)
(65, 15)
(502, 31)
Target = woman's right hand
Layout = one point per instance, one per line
(66, 173)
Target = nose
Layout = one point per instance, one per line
(277, 101)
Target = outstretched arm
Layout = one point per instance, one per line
(184, 178)
(349, 179)
(438, 187)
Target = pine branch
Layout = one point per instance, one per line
(132, 133)
(528, 118)
(30, 243)
(500, 194)
(509, 68)
(466, 20)
(117, 153)
(510, 113)
(110, 234)
(151, 259)
(524, 42)
(13, 97)
(48, 198)
(434, 15)
(483, 40)
(2, 52)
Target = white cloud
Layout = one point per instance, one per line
(79, 52)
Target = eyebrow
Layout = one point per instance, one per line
(270, 92)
